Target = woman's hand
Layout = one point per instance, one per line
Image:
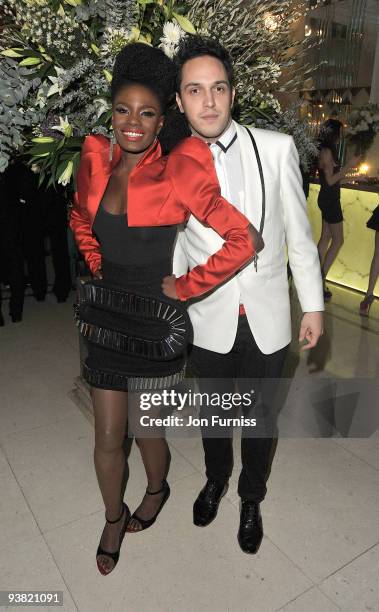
(98, 274)
(353, 162)
(168, 286)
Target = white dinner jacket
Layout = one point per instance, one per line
(264, 292)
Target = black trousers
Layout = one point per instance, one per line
(11, 253)
(47, 216)
(250, 369)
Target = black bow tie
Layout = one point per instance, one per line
(222, 147)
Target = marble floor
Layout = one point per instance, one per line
(320, 552)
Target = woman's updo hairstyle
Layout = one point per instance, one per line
(149, 66)
(138, 63)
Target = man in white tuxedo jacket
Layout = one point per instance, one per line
(243, 328)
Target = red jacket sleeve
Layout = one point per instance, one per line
(194, 180)
(79, 219)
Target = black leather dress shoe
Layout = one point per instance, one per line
(250, 532)
(206, 506)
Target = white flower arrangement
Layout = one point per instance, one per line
(56, 59)
(363, 126)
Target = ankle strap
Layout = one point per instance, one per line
(117, 519)
(163, 487)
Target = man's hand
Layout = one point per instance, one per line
(256, 238)
(168, 286)
(311, 328)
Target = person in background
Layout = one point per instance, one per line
(365, 305)
(44, 214)
(329, 199)
(11, 248)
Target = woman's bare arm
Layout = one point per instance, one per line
(327, 165)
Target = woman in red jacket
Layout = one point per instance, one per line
(128, 203)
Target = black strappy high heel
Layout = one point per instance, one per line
(114, 555)
(145, 524)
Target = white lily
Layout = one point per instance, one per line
(102, 105)
(66, 175)
(41, 97)
(56, 87)
(64, 127)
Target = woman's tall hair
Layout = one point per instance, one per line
(139, 63)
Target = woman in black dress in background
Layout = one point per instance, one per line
(365, 305)
(331, 175)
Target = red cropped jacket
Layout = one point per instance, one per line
(164, 191)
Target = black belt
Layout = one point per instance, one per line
(151, 327)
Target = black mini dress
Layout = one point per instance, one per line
(135, 259)
(329, 199)
(373, 222)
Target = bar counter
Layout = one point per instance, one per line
(352, 265)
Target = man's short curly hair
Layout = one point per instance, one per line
(193, 46)
(145, 65)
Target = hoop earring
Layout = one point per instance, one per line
(112, 143)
